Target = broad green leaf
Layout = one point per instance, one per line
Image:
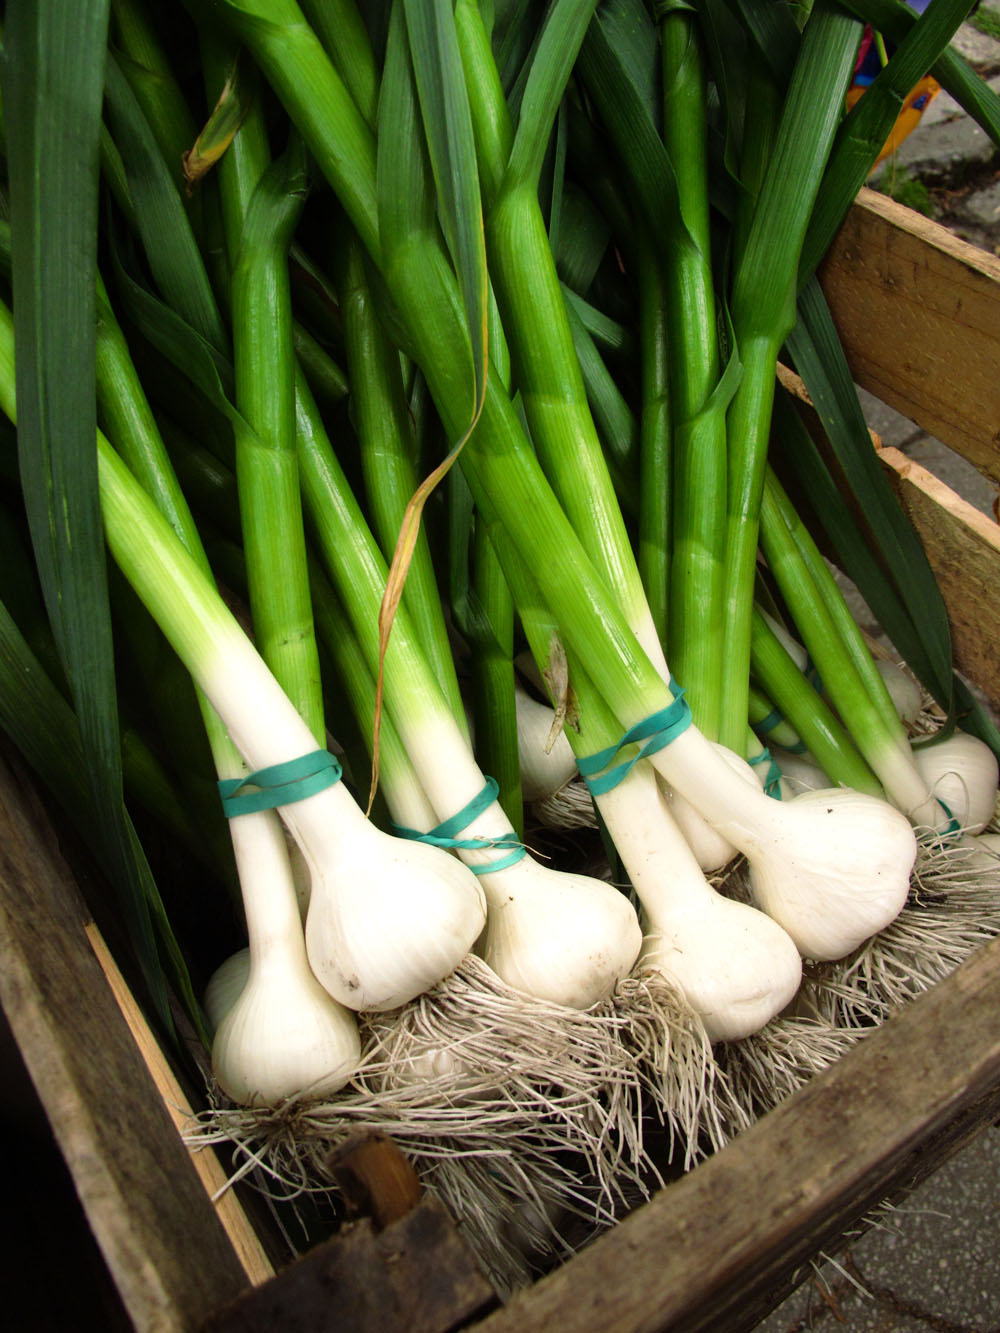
(869, 123)
(618, 427)
(773, 31)
(53, 82)
(340, 28)
(549, 71)
(726, 50)
(622, 96)
(440, 81)
(170, 247)
(819, 359)
(42, 725)
(894, 20)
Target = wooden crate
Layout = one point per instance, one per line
(920, 315)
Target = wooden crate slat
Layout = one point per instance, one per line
(163, 1243)
(917, 309)
(237, 1225)
(963, 547)
(711, 1250)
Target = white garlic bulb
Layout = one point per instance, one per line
(961, 772)
(711, 849)
(283, 1035)
(224, 986)
(388, 918)
(831, 867)
(735, 966)
(904, 691)
(561, 937)
(543, 771)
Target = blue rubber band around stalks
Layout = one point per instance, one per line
(657, 730)
(772, 782)
(773, 719)
(769, 723)
(446, 834)
(280, 784)
(953, 825)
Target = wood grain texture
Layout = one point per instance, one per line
(416, 1276)
(918, 311)
(238, 1228)
(161, 1239)
(963, 547)
(716, 1249)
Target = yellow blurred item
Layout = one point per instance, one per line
(917, 102)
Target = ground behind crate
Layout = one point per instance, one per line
(931, 1263)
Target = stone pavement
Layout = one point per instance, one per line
(934, 1262)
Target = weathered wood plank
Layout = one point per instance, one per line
(714, 1248)
(963, 547)
(237, 1225)
(417, 1275)
(917, 310)
(161, 1239)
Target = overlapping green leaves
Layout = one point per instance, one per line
(53, 84)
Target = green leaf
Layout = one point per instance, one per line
(341, 29)
(171, 250)
(404, 186)
(774, 33)
(53, 83)
(184, 347)
(819, 359)
(628, 108)
(726, 53)
(440, 80)
(549, 71)
(44, 728)
(867, 126)
(894, 20)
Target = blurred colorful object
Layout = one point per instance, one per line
(871, 57)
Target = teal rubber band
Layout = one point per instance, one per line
(280, 784)
(772, 782)
(488, 867)
(444, 834)
(449, 828)
(812, 675)
(798, 748)
(657, 730)
(770, 722)
(953, 825)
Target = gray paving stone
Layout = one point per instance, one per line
(933, 1263)
(936, 150)
(943, 107)
(891, 426)
(983, 206)
(978, 48)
